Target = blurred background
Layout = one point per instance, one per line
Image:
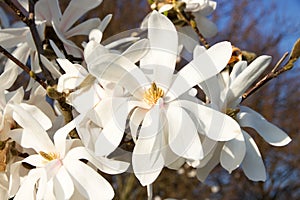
(262, 26)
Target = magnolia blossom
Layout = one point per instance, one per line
(63, 23)
(58, 170)
(154, 99)
(224, 93)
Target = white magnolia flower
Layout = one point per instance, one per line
(63, 24)
(170, 124)
(224, 92)
(58, 170)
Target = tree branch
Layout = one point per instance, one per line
(22, 66)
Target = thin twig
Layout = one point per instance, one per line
(202, 39)
(22, 66)
(273, 74)
(29, 20)
(280, 62)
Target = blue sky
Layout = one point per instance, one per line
(291, 9)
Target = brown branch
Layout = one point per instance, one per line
(22, 66)
(29, 20)
(273, 74)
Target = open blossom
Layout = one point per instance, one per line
(63, 24)
(225, 93)
(156, 103)
(58, 170)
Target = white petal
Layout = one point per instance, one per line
(246, 78)
(271, 133)
(38, 115)
(83, 28)
(12, 36)
(63, 184)
(8, 77)
(27, 189)
(105, 22)
(61, 135)
(135, 121)
(183, 135)
(206, 27)
(253, 165)
(216, 125)
(137, 51)
(106, 165)
(51, 67)
(119, 69)
(203, 172)
(147, 160)
(47, 10)
(112, 133)
(34, 136)
(238, 68)
(202, 67)
(89, 183)
(165, 8)
(58, 53)
(35, 160)
(163, 49)
(233, 153)
(75, 10)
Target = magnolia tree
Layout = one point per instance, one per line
(86, 103)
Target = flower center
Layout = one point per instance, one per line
(49, 156)
(232, 112)
(152, 95)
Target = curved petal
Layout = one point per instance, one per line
(135, 121)
(117, 68)
(271, 134)
(75, 10)
(27, 189)
(233, 153)
(253, 165)
(63, 184)
(33, 136)
(202, 67)
(162, 55)
(61, 135)
(214, 124)
(105, 22)
(11, 37)
(83, 28)
(112, 132)
(246, 78)
(38, 115)
(47, 10)
(204, 171)
(88, 182)
(35, 160)
(104, 164)
(183, 135)
(206, 27)
(147, 160)
(137, 51)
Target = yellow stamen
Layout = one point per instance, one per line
(152, 95)
(232, 112)
(49, 156)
